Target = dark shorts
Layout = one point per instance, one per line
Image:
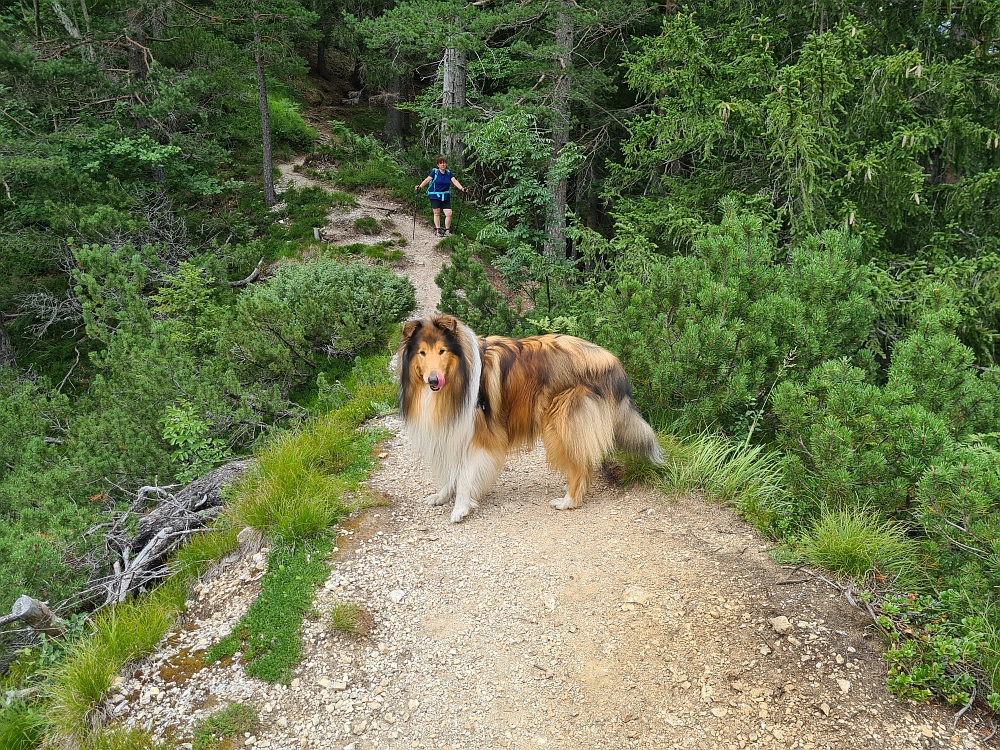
(435, 203)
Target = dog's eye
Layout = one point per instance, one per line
(441, 352)
(423, 354)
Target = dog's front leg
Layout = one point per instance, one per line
(478, 475)
(444, 495)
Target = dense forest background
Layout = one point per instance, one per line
(781, 217)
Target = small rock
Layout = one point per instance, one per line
(825, 708)
(720, 712)
(926, 731)
(296, 682)
(383, 455)
(413, 705)
(338, 685)
(396, 596)
(637, 595)
(845, 685)
(765, 650)
(324, 683)
(360, 727)
(781, 625)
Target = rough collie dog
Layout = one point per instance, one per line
(467, 401)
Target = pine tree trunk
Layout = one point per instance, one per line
(265, 122)
(454, 88)
(322, 47)
(555, 224)
(396, 120)
(7, 354)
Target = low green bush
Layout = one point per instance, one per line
(288, 129)
(283, 328)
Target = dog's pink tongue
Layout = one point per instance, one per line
(441, 380)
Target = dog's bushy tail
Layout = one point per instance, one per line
(633, 433)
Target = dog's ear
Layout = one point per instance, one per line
(447, 323)
(410, 327)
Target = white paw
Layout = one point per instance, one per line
(460, 512)
(438, 498)
(563, 503)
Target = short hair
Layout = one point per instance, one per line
(441, 159)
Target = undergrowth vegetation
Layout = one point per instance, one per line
(228, 723)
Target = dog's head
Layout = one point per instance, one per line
(431, 354)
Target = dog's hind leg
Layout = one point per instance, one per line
(578, 433)
(479, 473)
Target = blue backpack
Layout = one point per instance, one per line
(440, 185)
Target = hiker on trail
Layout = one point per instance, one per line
(441, 179)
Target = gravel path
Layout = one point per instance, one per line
(637, 621)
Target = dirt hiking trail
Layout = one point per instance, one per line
(637, 621)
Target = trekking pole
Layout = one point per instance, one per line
(414, 221)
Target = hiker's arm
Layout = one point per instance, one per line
(422, 184)
(456, 183)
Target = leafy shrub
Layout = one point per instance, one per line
(306, 311)
(932, 648)
(466, 291)
(705, 337)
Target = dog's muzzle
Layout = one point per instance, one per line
(436, 382)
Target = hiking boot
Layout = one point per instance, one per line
(440, 232)
(448, 231)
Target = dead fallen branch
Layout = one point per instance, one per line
(36, 615)
(254, 275)
(138, 558)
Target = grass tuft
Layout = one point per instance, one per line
(78, 685)
(741, 475)
(856, 541)
(119, 738)
(21, 726)
(350, 618)
(367, 225)
(227, 723)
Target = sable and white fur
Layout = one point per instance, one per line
(468, 401)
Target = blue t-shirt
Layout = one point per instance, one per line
(440, 181)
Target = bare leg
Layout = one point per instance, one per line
(437, 218)
(447, 218)
(478, 475)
